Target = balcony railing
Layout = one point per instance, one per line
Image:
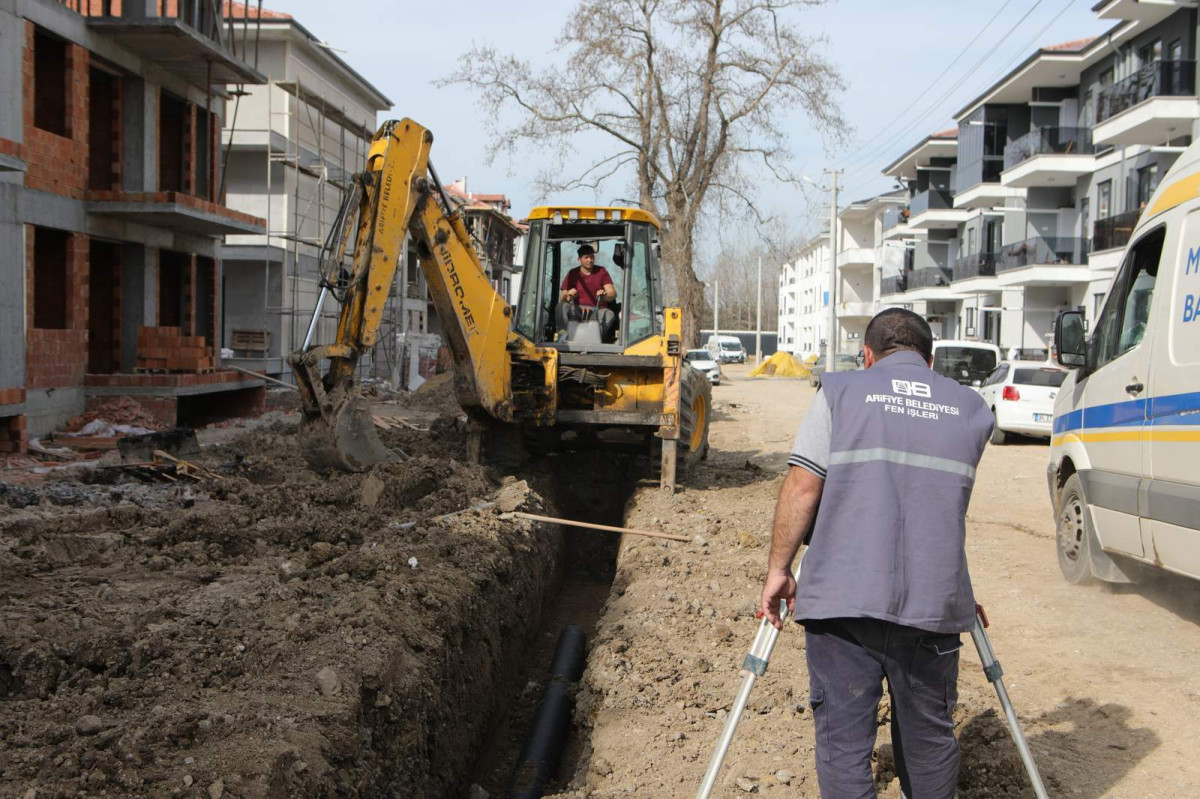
(894, 285)
(978, 264)
(1043, 250)
(1114, 231)
(893, 217)
(930, 199)
(929, 277)
(1156, 79)
(1062, 141)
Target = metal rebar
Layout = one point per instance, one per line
(995, 675)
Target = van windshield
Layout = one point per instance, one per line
(731, 345)
(1051, 378)
(964, 364)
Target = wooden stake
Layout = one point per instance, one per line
(588, 525)
(188, 465)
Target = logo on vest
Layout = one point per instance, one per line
(909, 399)
(911, 388)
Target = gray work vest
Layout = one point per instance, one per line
(889, 538)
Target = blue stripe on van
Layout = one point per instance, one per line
(1175, 409)
(1183, 409)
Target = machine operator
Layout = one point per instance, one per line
(884, 462)
(589, 286)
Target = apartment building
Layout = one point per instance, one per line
(1023, 210)
(496, 235)
(292, 144)
(864, 261)
(111, 211)
(804, 299)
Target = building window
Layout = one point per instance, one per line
(49, 279)
(1147, 182)
(1104, 200)
(49, 83)
(104, 124)
(172, 141)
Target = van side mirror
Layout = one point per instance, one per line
(1070, 340)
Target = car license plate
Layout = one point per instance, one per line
(1041, 417)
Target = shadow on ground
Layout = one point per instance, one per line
(1081, 748)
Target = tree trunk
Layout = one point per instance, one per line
(677, 255)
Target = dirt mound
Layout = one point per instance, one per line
(272, 633)
(436, 393)
(117, 411)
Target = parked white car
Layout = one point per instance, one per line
(1021, 395)
(702, 361)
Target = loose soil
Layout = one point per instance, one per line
(277, 634)
(273, 633)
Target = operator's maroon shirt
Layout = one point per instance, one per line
(588, 286)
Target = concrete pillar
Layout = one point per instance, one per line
(12, 305)
(139, 305)
(140, 136)
(12, 53)
(139, 9)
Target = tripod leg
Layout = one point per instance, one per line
(753, 667)
(995, 675)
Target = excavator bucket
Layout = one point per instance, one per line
(345, 439)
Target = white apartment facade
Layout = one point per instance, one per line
(1024, 209)
(292, 146)
(804, 299)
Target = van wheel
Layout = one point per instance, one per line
(1073, 534)
(998, 435)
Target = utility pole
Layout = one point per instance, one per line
(758, 319)
(717, 313)
(831, 350)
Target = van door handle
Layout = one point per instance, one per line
(1135, 388)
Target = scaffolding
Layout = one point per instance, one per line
(319, 147)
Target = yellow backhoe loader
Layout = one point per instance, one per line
(533, 377)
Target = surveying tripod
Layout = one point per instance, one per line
(755, 665)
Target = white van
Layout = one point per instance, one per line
(1123, 458)
(968, 362)
(726, 349)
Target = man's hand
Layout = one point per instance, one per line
(568, 295)
(780, 586)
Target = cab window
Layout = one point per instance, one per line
(639, 316)
(1122, 323)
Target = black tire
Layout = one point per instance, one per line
(998, 435)
(695, 411)
(1074, 538)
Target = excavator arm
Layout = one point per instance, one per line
(399, 193)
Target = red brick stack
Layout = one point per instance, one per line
(12, 434)
(166, 349)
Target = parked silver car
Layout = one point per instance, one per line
(702, 361)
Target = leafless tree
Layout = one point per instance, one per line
(735, 265)
(688, 94)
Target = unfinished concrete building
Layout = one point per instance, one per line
(110, 210)
(294, 142)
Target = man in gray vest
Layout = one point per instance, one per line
(884, 462)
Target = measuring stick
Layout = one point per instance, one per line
(995, 675)
(261, 376)
(590, 526)
(753, 667)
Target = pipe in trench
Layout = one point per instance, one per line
(538, 762)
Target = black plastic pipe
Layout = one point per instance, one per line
(543, 748)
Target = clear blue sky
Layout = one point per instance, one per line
(888, 52)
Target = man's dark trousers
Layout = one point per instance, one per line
(847, 662)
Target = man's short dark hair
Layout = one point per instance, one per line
(896, 329)
(586, 249)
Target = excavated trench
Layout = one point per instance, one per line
(584, 486)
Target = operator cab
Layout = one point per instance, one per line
(626, 244)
